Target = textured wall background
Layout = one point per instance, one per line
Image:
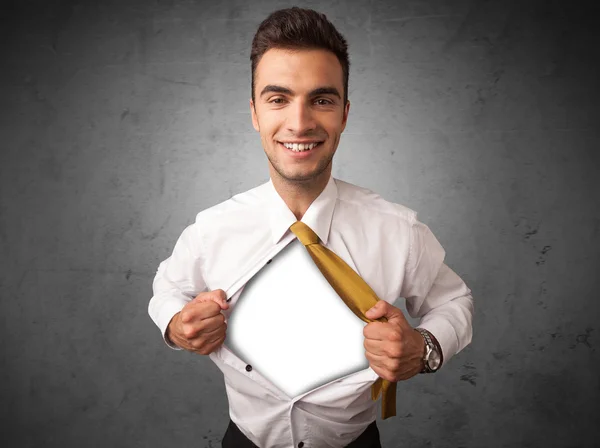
(121, 120)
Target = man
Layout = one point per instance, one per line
(300, 107)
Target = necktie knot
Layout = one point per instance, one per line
(304, 233)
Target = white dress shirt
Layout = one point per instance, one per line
(397, 256)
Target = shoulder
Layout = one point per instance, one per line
(368, 202)
(242, 207)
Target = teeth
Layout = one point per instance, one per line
(300, 146)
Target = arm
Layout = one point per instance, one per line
(177, 281)
(434, 293)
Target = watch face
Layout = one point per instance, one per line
(434, 360)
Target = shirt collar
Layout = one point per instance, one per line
(317, 217)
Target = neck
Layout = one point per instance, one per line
(298, 195)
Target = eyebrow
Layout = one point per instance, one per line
(284, 90)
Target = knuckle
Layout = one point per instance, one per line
(220, 294)
(394, 352)
(185, 314)
(396, 335)
(189, 332)
(198, 344)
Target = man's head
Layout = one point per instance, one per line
(299, 29)
(299, 92)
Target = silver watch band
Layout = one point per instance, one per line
(429, 347)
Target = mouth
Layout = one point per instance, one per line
(300, 148)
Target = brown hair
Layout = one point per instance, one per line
(298, 28)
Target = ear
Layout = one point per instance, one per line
(345, 117)
(254, 117)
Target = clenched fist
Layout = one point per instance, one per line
(200, 326)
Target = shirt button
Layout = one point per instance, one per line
(301, 444)
(248, 368)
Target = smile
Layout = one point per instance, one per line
(299, 147)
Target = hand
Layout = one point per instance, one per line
(200, 326)
(394, 348)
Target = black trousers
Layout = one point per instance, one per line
(234, 438)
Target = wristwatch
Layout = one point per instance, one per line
(431, 358)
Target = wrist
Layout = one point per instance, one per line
(171, 330)
(432, 355)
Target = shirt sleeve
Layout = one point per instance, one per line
(436, 294)
(177, 281)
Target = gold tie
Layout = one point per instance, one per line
(355, 293)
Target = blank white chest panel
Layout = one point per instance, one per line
(293, 328)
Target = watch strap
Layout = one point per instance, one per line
(429, 346)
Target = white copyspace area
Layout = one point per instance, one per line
(293, 328)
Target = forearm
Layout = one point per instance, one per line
(450, 325)
(162, 308)
(178, 280)
(436, 294)
(446, 311)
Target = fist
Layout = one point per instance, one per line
(200, 326)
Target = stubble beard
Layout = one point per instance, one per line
(301, 178)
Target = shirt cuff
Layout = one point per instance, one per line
(165, 314)
(445, 335)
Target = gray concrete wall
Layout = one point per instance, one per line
(121, 120)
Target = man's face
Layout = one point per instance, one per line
(299, 100)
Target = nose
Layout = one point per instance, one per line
(300, 118)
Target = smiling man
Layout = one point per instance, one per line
(300, 113)
(300, 107)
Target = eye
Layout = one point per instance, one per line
(277, 101)
(323, 102)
